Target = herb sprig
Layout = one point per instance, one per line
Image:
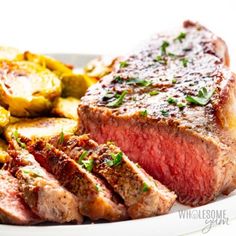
(139, 82)
(180, 37)
(18, 139)
(118, 101)
(116, 159)
(202, 98)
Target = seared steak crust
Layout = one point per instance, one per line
(142, 195)
(41, 191)
(13, 209)
(188, 147)
(95, 200)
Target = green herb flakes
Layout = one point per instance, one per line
(171, 100)
(180, 37)
(202, 98)
(145, 187)
(164, 46)
(143, 113)
(123, 64)
(119, 100)
(18, 139)
(116, 159)
(153, 93)
(165, 113)
(184, 62)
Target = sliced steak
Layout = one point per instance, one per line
(169, 107)
(41, 191)
(95, 200)
(142, 195)
(13, 209)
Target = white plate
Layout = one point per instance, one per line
(181, 219)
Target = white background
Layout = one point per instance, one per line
(109, 27)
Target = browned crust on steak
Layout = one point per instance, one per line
(143, 196)
(13, 209)
(92, 203)
(41, 191)
(211, 127)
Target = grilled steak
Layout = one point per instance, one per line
(142, 195)
(169, 107)
(95, 200)
(41, 191)
(13, 210)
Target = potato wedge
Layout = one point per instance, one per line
(47, 62)
(4, 157)
(4, 117)
(100, 67)
(41, 127)
(66, 107)
(27, 89)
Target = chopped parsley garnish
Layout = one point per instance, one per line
(108, 96)
(123, 64)
(165, 113)
(139, 82)
(153, 93)
(161, 60)
(164, 46)
(181, 105)
(118, 101)
(143, 113)
(145, 187)
(97, 187)
(61, 138)
(118, 79)
(171, 100)
(184, 62)
(88, 164)
(174, 81)
(33, 173)
(180, 37)
(116, 159)
(18, 139)
(202, 98)
(82, 156)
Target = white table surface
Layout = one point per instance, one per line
(110, 27)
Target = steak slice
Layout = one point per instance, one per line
(143, 196)
(169, 107)
(13, 209)
(41, 191)
(95, 200)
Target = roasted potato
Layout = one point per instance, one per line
(4, 157)
(4, 117)
(41, 127)
(50, 63)
(66, 107)
(100, 67)
(27, 89)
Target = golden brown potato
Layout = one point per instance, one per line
(41, 127)
(27, 89)
(4, 157)
(66, 107)
(100, 67)
(4, 117)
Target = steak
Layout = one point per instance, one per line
(13, 209)
(41, 191)
(95, 200)
(143, 196)
(169, 107)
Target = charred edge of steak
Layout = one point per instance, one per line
(41, 191)
(13, 209)
(96, 200)
(142, 195)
